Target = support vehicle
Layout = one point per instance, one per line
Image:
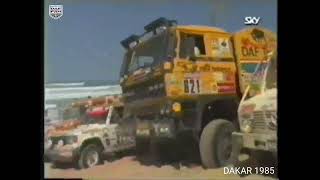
(257, 116)
(86, 144)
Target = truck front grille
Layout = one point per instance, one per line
(260, 120)
(55, 140)
(259, 123)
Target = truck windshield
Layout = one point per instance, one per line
(148, 53)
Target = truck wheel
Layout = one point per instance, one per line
(90, 156)
(215, 143)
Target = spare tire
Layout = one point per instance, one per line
(216, 143)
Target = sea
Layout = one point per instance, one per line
(59, 95)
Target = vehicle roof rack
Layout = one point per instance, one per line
(158, 23)
(151, 27)
(126, 42)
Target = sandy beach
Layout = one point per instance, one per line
(129, 167)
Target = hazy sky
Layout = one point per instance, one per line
(84, 44)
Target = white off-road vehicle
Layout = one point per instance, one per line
(257, 115)
(86, 144)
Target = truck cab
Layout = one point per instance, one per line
(257, 115)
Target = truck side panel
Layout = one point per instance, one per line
(251, 46)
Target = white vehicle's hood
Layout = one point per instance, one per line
(265, 101)
(80, 130)
(86, 128)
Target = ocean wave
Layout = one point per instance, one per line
(80, 92)
(65, 84)
(48, 106)
(80, 89)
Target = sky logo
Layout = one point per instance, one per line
(249, 20)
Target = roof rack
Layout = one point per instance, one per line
(126, 42)
(159, 23)
(151, 27)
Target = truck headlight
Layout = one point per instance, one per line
(248, 107)
(60, 143)
(246, 126)
(70, 139)
(246, 111)
(164, 130)
(143, 132)
(162, 111)
(48, 144)
(167, 65)
(176, 107)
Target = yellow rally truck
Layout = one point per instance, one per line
(182, 85)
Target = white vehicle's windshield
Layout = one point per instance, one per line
(264, 78)
(271, 79)
(257, 80)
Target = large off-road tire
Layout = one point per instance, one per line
(215, 143)
(90, 156)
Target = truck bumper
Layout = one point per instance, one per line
(264, 142)
(65, 153)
